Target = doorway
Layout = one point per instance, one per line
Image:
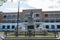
(30, 31)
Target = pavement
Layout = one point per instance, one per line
(1, 36)
(58, 35)
(31, 38)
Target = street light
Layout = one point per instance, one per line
(17, 18)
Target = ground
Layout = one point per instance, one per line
(36, 35)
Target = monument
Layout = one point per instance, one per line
(30, 27)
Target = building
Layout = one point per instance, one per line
(41, 20)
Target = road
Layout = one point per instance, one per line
(30, 38)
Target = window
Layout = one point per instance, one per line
(58, 26)
(27, 15)
(9, 16)
(26, 20)
(37, 26)
(14, 16)
(57, 20)
(46, 15)
(13, 27)
(14, 21)
(3, 27)
(4, 16)
(52, 27)
(8, 21)
(37, 15)
(19, 20)
(8, 27)
(30, 27)
(51, 20)
(47, 26)
(51, 15)
(4, 21)
(57, 15)
(19, 16)
(37, 20)
(46, 20)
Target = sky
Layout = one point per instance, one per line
(45, 5)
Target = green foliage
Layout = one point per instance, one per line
(2, 1)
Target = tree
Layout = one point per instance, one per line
(3, 1)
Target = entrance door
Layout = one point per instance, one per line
(30, 29)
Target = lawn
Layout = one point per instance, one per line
(36, 35)
(1, 32)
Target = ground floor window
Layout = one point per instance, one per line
(37, 26)
(3, 27)
(47, 26)
(52, 27)
(31, 27)
(58, 26)
(26, 20)
(13, 27)
(8, 27)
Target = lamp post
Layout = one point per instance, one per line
(17, 19)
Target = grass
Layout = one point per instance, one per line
(1, 32)
(37, 35)
(50, 34)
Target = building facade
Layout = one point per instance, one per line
(42, 20)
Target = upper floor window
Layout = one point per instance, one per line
(37, 20)
(46, 20)
(51, 20)
(14, 21)
(51, 15)
(57, 20)
(4, 21)
(8, 21)
(14, 16)
(9, 17)
(4, 16)
(57, 15)
(37, 15)
(19, 16)
(27, 15)
(46, 15)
